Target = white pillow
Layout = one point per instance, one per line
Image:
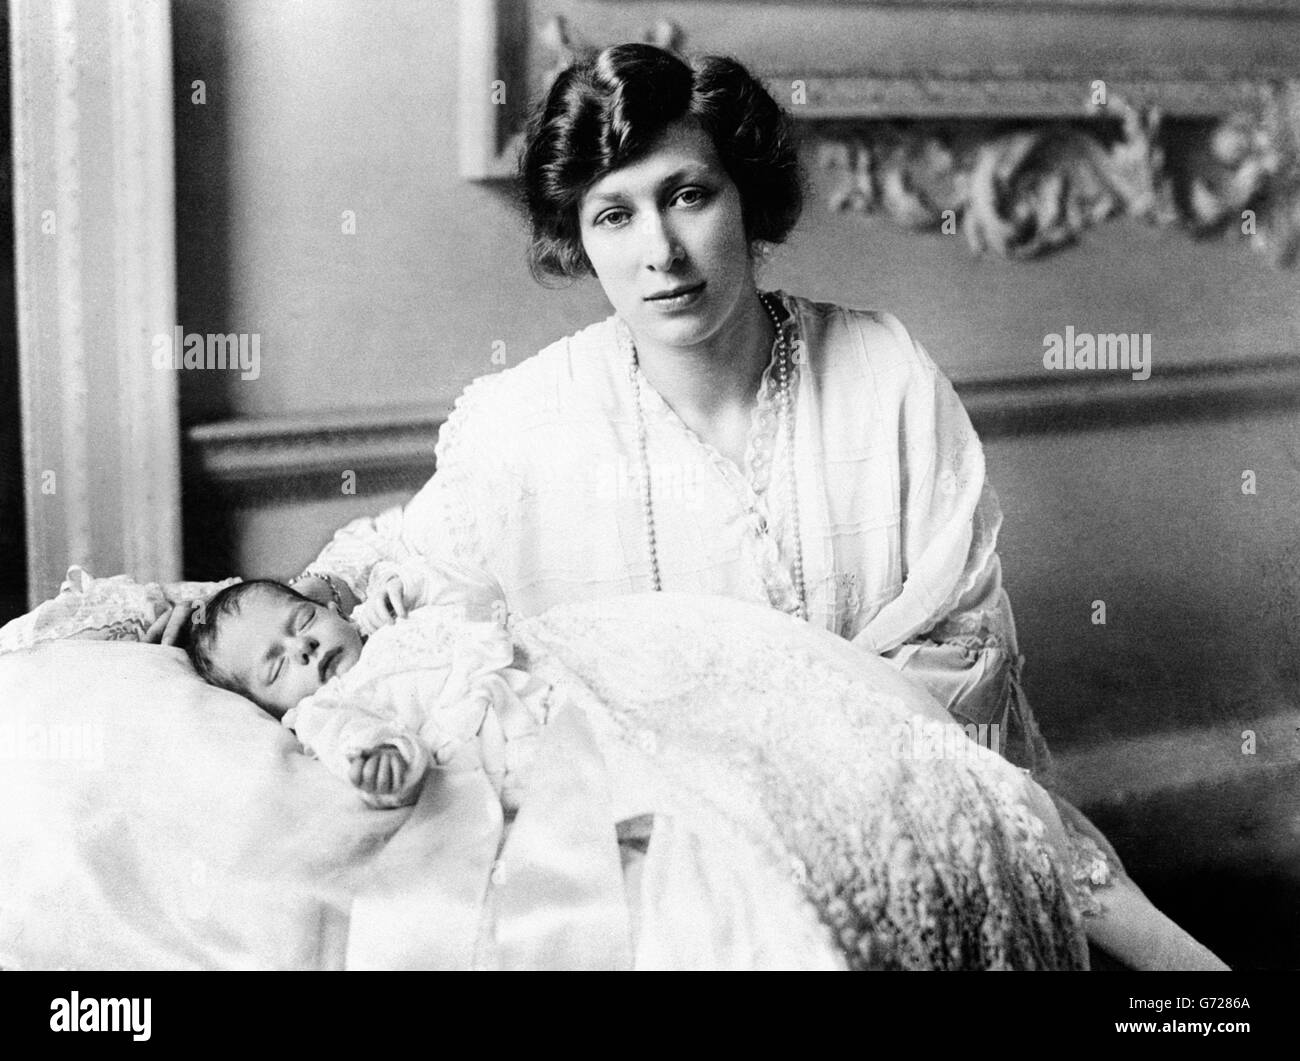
(100, 609)
(150, 821)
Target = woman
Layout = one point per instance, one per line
(706, 438)
(711, 439)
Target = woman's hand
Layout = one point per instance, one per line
(172, 626)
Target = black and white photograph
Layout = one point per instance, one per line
(720, 485)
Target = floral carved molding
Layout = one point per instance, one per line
(1024, 192)
(1021, 158)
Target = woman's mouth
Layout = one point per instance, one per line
(676, 298)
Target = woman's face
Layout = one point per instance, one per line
(666, 237)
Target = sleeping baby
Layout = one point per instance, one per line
(441, 685)
(378, 710)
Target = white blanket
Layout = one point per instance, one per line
(150, 821)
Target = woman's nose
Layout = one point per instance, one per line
(660, 247)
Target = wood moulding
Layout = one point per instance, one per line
(255, 460)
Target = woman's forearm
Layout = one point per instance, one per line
(326, 589)
(1131, 929)
(354, 550)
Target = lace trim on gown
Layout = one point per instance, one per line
(760, 496)
(1089, 869)
(462, 487)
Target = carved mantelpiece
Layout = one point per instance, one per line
(1053, 130)
(1031, 188)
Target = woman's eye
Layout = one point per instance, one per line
(691, 196)
(611, 219)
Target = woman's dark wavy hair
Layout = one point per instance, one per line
(603, 112)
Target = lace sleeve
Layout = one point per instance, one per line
(1094, 863)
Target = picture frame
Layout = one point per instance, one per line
(896, 59)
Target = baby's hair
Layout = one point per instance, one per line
(205, 628)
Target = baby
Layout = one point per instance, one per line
(378, 710)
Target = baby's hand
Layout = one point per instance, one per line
(385, 604)
(379, 771)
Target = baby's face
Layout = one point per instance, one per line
(282, 651)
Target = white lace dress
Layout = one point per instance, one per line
(538, 484)
(785, 825)
(768, 756)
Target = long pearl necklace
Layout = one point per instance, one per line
(786, 406)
